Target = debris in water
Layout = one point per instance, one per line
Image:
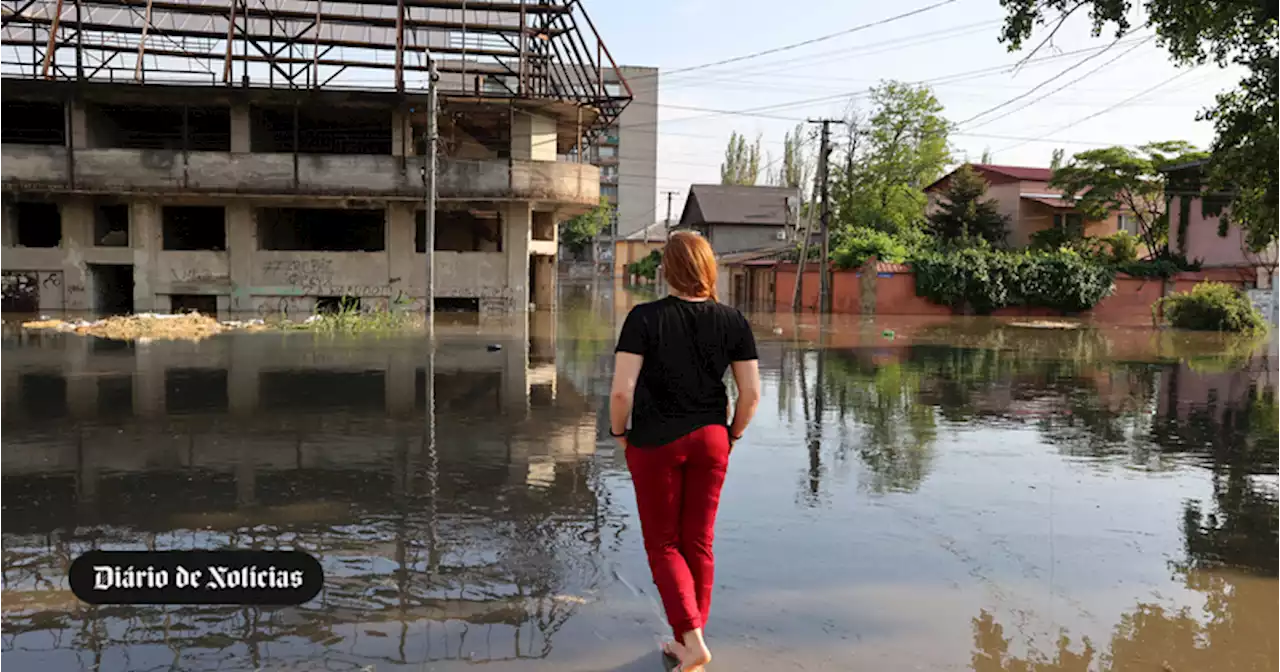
(494, 347)
(1046, 324)
(888, 333)
(777, 331)
(148, 326)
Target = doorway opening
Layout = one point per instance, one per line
(112, 288)
(205, 304)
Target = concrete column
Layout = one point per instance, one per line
(515, 370)
(8, 220)
(240, 128)
(146, 238)
(77, 234)
(533, 137)
(402, 258)
(402, 140)
(81, 136)
(242, 243)
(544, 279)
(515, 240)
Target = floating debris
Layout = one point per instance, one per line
(494, 347)
(888, 333)
(146, 327)
(777, 331)
(1046, 324)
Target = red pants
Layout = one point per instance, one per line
(677, 494)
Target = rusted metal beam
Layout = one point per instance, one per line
(524, 40)
(399, 76)
(315, 48)
(142, 44)
(592, 26)
(169, 6)
(16, 13)
(231, 31)
(53, 33)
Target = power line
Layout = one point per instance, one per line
(954, 77)
(1111, 108)
(857, 50)
(1046, 82)
(1057, 90)
(803, 43)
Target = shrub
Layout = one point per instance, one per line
(985, 280)
(1123, 247)
(647, 267)
(861, 244)
(1052, 239)
(1212, 306)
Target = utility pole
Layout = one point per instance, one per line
(824, 272)
(429, 195)
(669, 195)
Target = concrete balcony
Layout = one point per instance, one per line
(53, 168)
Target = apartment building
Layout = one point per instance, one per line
(253, 159)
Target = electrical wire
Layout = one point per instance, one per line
(804, 43)
(1110, 108)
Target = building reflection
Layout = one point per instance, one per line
(453, 501)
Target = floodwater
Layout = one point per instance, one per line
(933, 494)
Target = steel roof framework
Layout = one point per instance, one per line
(513, 49)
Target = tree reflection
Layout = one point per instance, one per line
(1235, 630)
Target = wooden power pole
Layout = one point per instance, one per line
(824, 272)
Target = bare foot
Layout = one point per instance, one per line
(696, 654)
(673, 648)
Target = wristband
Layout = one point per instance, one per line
(617, 436)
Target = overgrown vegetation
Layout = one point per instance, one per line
(985, 280)
(648, 267)
(1212, 306)
(861, 244)
(350, 319)
(578, 233)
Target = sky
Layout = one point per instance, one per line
(1103, 108)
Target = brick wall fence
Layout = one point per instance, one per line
(890, 289)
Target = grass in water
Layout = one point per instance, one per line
(350, 319)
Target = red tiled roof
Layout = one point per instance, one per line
(1025, 173)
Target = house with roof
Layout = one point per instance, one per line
(637, 245)
(1194, 224)
(735, 217)
(1024, 196)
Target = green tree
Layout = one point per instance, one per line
(986, 155)
(741, 161)
(1055, 162)
(578, 233)
(901, 148)
(796, 168)
(965, 215)
(1239, 32)
(1102, 181)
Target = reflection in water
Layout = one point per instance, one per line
(506, 536)
(476, 547)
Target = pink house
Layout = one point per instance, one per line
(1193, 231)
(1024, 195)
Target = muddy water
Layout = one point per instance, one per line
(917, 494)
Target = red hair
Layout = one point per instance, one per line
(689, 265)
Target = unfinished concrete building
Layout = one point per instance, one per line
(268, 156)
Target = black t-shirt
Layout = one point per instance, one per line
(687, 347)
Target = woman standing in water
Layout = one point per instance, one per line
(668, 380)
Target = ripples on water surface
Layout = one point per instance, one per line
(915, 494)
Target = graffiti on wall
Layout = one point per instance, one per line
(197, 275)
(315, 277)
